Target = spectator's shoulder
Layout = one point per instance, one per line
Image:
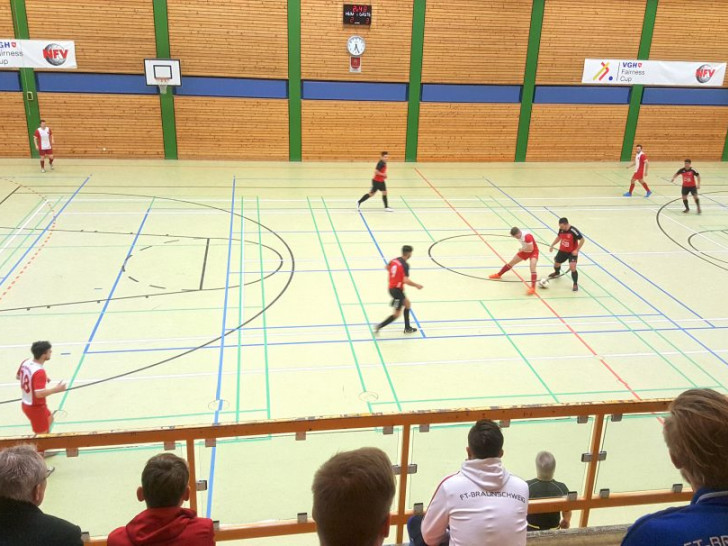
(649, 529)
(64, 532)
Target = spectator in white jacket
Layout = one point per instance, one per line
(480, 505)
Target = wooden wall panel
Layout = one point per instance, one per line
(331, 131)
(574, 30)
(110, 36)
(6, 21)
(476, 42)
(84, 124)
(231, 128)
(13, 127)
(235, 38)
(576, 132)
(697, 31)
(323, 41)
(468, 132)
(676, 132)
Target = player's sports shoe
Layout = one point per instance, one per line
(700, 211)
(410, 330)
(554, 275)
(530, 291)
(358, 205)
(575, 288)
(627, 194)
(686, 211)
(376, 330)
(648, 194)
(52, 167)
(388, 209)
(42, 170)
(494, 276)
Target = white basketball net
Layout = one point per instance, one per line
(162, 85)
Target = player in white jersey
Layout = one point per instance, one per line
(33, 384)
(43, 138)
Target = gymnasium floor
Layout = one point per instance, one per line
(203, 292)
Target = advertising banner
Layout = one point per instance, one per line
(674, 73)
(49, 54)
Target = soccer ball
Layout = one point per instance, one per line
(543, 283)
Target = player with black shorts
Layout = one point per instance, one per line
(690, 184)
(570, 242)
(378, 182)
(398, 270)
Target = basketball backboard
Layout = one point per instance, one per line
(162, 72)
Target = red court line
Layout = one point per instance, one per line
(546, 303)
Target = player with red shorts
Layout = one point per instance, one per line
(529, 251)
(33, 384)
(43, 138)
(398, 270)
(570, 242)
(640, 172)
(690, 184)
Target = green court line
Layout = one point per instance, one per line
(363, 309)
(635, 96)
(27, 76)
(265, 322)
(520, 353)
(338, 303)
(406, 204)
(20, 222)
(166, 99)
(241, 289)
(20, 246)
(415, 79)
(724, 157)
(295, 146)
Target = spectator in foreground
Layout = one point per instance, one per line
(545, 486)
(23, 474)
(696, 434)
(165, 486)
(481, 504)
(352, 497)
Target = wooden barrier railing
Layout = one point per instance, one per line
(169, 437)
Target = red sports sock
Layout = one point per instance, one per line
(50, 161)
(631, 187)
(42, 164)
(533, 280)
(645, 186)
(504, 269)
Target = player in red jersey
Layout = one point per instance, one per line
(33, 383)
(398, 270)
(529, 251)
(43, 138)
(690, 184)
(640, 172)
(570, 242)
(378, 182)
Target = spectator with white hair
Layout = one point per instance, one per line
(545, 486)
(23, 474)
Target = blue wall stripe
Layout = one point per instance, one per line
(10, 81)
(392, 92)
(202, 86)
(685, 96)
(123, 84)
(436, 92)
(578, 94)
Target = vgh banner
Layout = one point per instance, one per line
(677, 73)
(49, 54)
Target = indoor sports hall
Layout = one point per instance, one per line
(197, 257)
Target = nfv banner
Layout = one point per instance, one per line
(51, 54)
(620, 72)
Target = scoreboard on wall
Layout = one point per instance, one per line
(357, 14)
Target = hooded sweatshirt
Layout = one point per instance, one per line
(482, 504)
(164, 527)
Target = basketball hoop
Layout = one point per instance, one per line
(163, 85)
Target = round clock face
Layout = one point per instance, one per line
(356, 45)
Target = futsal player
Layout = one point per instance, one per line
(378, 182)
(570, 242)
(33, 384)
(690, 184)
(529, 251)
(398, 270)
(43, 138)
(640, 172)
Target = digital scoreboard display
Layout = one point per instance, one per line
(357, 14)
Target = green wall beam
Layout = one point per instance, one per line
(415, 80)
(27, 76)
(295, 148)
(166, 99)
(635, 97)
(529, 78)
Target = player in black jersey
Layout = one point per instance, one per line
(378, 182)
(570, 242)
(690, 184)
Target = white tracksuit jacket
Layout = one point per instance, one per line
(482, 504)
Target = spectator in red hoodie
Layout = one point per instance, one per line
(165, 486)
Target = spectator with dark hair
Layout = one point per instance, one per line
(545, 486)
(23, 474)
(352, 497)
(481, 504)
(165, 486)
(696, 434)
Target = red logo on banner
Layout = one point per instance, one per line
(55, 54)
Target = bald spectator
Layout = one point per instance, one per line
(23, 474)
(352, 497)
(696, 434)
(545, 486)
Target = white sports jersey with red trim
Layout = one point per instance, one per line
(32, 376)
(44, 138)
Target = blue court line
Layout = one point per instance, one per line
(384, 259)
(218, 390)
(53, 219)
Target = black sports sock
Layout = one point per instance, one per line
(685, 204)
(697, 203)
(386, 202)
(364, 198)
(575, 276)
(389, 320)
(406, 318)
(557, 270)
